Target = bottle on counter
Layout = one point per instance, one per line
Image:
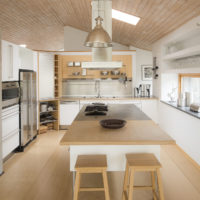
(181, 100)
(188, 99)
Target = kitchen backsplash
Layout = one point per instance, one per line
(96, 88)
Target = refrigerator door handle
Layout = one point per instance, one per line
(30, 108)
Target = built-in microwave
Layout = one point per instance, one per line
(10, 93)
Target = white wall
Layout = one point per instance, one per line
(169, 81)
(143, 57)
(46, 75)
(74, 40)
(159, 52)
(184, 128)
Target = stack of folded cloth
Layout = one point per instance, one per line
(43, 129)
(195, 107)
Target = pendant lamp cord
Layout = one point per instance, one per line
(98, 7)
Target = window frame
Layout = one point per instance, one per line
(192, 75)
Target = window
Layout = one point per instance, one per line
(190, 83)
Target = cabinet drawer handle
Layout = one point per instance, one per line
(10, 134)
(10, 115)
(14, 109)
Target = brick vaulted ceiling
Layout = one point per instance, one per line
(40, 23)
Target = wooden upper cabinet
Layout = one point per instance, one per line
(72, 70)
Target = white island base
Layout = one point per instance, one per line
(116, 159)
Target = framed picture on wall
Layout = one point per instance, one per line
(147, 72)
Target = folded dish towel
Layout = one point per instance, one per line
(195, 107)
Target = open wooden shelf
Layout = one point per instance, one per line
(47, 121)
(57, 75)
(54, 113)
(67, 71)
(49, 111)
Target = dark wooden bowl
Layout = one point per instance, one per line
(113, 123)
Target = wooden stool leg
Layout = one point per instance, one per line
(77, 186)
(125, 182)
(160, 186)
(153, 185)
(131, 183)
(106, 188)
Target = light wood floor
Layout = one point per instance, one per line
(42, 173)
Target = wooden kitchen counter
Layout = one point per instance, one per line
(139, 130)
(107, 98)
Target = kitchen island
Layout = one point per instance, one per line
(140, 134)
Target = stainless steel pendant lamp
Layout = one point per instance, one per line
(98, 37)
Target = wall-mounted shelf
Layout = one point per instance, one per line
(68, 67)
(188, 52)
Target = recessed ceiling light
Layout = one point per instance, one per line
(130, 19)
(23, 45)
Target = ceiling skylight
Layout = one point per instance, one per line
(23, 45)
(130, 19)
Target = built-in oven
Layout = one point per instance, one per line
(10, 93)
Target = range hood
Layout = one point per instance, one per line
(102, 65)
(102, 57)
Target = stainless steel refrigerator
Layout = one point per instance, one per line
(28, 107)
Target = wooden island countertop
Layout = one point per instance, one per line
(139, 130)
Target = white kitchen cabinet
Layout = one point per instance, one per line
(68, 112)
(150, 108)
(46, 76)
(10, 61)
(137, 103)
(27, 59)
(10, 129)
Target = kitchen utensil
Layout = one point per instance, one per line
(113, 123)
(95, 112)
(84, 72)
(104, 73)
(77, 64)
(76, 73)
(96, 108)
(43, 107)
(136, 92)
(115, 72)
(98, 104)
(70, 64)
(148, 92)
(50, 108)
(144, 90)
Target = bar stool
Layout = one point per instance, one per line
(91, 164)
(142, 162)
